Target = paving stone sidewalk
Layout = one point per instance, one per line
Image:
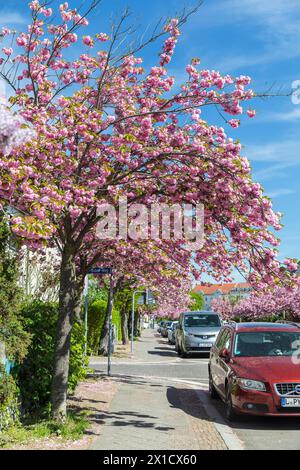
(152, 415)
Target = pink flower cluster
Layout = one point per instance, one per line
(125, 132)
(170, 43)
(281, 302)
(13, 130)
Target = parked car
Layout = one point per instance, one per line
(160, 325)
(254, 368)
(171, 332)
(196, 332)
(165, 328)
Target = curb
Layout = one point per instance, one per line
(227, 434)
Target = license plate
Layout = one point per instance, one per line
(292, 402)
(205, 345)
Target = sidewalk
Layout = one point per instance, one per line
(149, 413)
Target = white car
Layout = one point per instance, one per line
(171, 332)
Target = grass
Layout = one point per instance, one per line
(73, 428)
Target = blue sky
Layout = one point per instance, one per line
(260, 38)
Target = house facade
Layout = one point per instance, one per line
(234, 291)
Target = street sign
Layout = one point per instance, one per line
(99, 270)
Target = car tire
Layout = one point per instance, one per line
(213, 394)
(230, 413)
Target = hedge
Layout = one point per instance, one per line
(34, 375)
(96, 316)
(9, 400)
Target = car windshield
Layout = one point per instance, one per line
(269, 343)
(199, 320)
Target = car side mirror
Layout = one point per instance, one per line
(224, 354)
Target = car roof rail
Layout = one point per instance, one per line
(289, 322)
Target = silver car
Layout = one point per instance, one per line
(197, 332)
(165, 328)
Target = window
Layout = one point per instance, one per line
(202, 320)
(228, 340)
(268, 343)
(221, 339)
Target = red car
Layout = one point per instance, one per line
(255, 369)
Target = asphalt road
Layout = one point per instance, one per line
(155, 358)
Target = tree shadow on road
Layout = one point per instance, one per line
(186, 400)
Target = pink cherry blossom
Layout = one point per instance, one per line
(251, 113)
(88, 41)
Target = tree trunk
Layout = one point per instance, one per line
(124, 326)
(68, 299)
(137, 324)
(104, 337)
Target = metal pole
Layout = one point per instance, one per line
(110, 326)
(86, 291)
(132, 321)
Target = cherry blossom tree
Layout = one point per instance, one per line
(279, 303)
(106, 128)
(223, 306)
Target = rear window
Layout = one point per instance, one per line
(199, 320)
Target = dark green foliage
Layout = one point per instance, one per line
(9, 406)
(11, 327)
(35, 373)
(197, 301)
(96, 315)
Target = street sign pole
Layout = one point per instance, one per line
(110, 300)
(86, 293)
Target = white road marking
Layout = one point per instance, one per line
(163, 379)
(137, 363)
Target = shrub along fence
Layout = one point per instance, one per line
(34, 374)
(9, 393)
(96, 316)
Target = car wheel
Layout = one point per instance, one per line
(212, 391)
(230, 413)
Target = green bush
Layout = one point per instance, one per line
(96, 316)
(9, 405)
(34, 375)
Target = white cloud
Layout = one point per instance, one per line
(276, 25)
(288, 116)
(278, 158)
(286, 151)
(12, 18)
(280, 192)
